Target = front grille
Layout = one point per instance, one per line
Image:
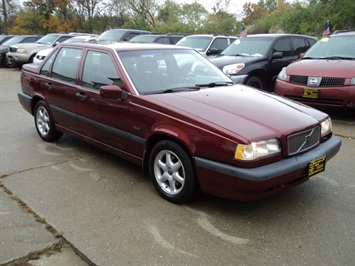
(325, 82)
(303, 141)
(298, 80)
(13, 49)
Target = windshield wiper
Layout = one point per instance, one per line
(192, 88)
(215, 84)
(336, 57)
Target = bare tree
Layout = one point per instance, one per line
(6, 7)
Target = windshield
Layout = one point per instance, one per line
(249, 47)
(13, 40)
(143, 38)
(199, 43)
(111, 35)
(161, 71)
(334, 47)
(48, 39)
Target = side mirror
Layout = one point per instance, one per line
(213, 51)
(113, 92)
(277, 55)
(55, 44)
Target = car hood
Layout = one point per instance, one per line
(32, 45)
(322, 67)
(224, 60)
(241, 110)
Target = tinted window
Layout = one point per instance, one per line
(65, 66)
(219, 44)
(63, 38)
(283, 45)
(30, 39)
(163, 40)
(300, 45)
(99, 70)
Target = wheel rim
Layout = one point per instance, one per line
(169, 172)
(42, 121)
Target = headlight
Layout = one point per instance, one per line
(257, 150)
(233, 69)
(22, 50)
(283, 74)
(326, 127)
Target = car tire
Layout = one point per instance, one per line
(45, 124)
(255, 82)
(172, 172)
(9, 62)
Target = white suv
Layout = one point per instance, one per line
(207, 44)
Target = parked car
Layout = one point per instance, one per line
(256, 60)
(4, 38)
(325, 75)
(4, 48)
(43, 53)
(118, 35)
(158, 38)
(207, 44)
(169, 110)
(23, 53)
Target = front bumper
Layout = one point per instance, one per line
(239, 79)
(253, 183)
(18, 58)
(329, 97)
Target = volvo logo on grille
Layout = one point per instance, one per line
(306, 139)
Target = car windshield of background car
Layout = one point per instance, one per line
(12, 41)
(111, 35)
(143, 38)
(159, 71)
(198, 43)
(332, 48)
(248, 47)
(48, 39)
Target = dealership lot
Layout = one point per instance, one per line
(108, 210)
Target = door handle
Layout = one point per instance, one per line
(81, 96)
(49, 85)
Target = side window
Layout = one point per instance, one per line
(63, 38)
(163, 40)
(47, 65)
(29, 39)
(99, 70)
(65, 66)
(300, 45)
(284, 46)
(220, 44)
(130, 36)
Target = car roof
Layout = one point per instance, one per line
(343, 33)
(211, 35)
(125, 46)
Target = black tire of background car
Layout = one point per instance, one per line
(255, 82)
(44, 123)
(176, 154)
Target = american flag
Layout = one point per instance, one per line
(243, 33)
(326, 31)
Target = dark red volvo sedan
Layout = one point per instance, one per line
(172, 112)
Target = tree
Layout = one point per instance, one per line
(8, 8)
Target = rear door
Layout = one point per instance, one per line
(60, 86)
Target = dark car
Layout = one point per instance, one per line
(4, 38)
(325, 75)
(158, 38)
(169, 110)
(207, 44)
(4, 48)
(256, 60)
(118, 35)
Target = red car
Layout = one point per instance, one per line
(325, 75)
(173, 113)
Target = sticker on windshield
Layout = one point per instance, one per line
(325, 39)
(237, 42)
